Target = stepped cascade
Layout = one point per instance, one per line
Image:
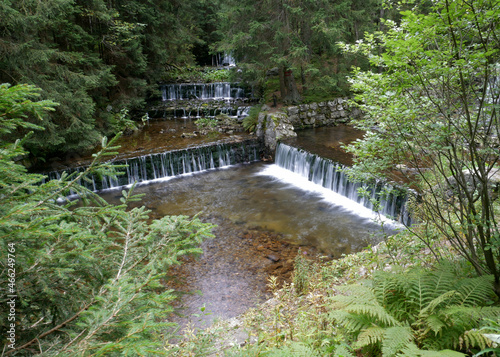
(198, 100)
(201, 91)
(170, 164)
(331, 175)
(199, 111)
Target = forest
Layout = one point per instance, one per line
(86, 277)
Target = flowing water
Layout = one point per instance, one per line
(264, 214)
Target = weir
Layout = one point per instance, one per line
(200, 111)
(331, 175)
(201, 91)
(169, 164)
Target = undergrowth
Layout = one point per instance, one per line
(373, 303)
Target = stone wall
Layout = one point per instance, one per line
(275, 126)
(321, 114)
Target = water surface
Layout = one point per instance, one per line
(264, 215)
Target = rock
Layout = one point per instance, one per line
(273, 258)
(292, 111)
(273, 71)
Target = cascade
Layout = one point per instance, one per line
(201, 91)
(170, 163)
(198, 111)
(331, 175)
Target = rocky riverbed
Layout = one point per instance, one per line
(233, 272)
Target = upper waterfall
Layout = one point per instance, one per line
(201, 91)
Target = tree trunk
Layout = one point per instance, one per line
(292, 93)
(282, 83)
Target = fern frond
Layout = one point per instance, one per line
(385, 286)
(434, 323)
(390, 291)
(474, 338)
(343, 351)
(377, 314)
(350, 322)
(370, 336)
(395, 339)
(470, 316)
(294, 349)
(410, 350)
(352, 294)
(475, 291)
(442, 353)
(413, 351)
(441, 299)
(442, 280)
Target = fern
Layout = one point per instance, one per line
(475, 291)
(343, 351)
(474, 338)
(295, 349)
(395, 339)
(400, 313)
(370, 336)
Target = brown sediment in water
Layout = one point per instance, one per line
(232, 273)
(155, 136)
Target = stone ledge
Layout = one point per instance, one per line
(273, 127)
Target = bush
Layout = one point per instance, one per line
(251, 120)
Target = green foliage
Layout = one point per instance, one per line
(432, 310)
(193, 74)
(88, 275)
(207, 124)
(431, 116)
(300, 36)
(491, 330)
(301, 274)
(251, 120)
(121, 121)
(93, 58)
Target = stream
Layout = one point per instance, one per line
(265, 216)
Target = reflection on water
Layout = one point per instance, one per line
(327, 142)
(242, 194)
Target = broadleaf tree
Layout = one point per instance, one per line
(431, 106)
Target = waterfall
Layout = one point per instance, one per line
(332, 176)
(201, 91)
(169, 164)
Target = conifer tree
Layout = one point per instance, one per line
(83, 277)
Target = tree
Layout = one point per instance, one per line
(298, 37)
(94, 58)
(81, 276)
(431, 116)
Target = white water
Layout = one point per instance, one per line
(201, 91)
(317, 173)
(297, 180)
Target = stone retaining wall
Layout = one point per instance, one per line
(321, 114)
(275, 126)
